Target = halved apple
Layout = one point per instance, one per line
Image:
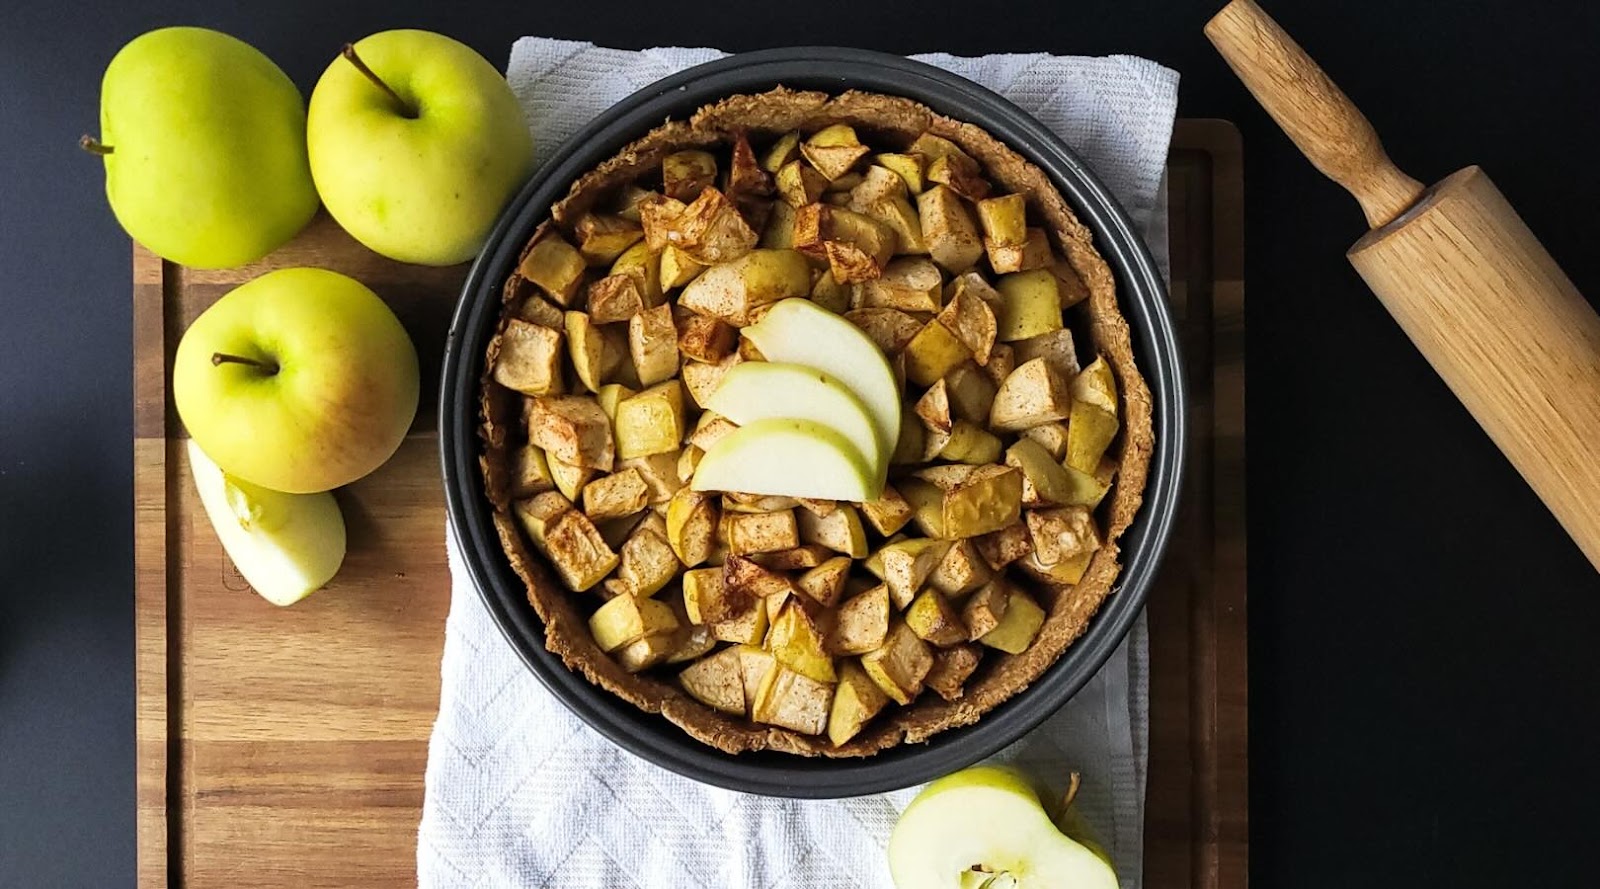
(985, 827)
(798, 331)
(763, 390)
(789, 458)
(285, 545)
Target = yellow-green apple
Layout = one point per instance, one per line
(764, 390)
(984, 828)
(799, 331)
(788, 458)
(204, 144)
(416, 143)
(285, 545)
(301, 380)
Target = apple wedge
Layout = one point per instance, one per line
(984, 826)
(789, 458)
(764, 390)
(285, 545)
(798, 331)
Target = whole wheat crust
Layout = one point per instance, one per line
(884, 120)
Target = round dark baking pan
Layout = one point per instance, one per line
(1142, 298)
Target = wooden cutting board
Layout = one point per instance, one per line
(285, 747)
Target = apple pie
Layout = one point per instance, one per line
(930, 431)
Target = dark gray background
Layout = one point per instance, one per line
(1422, 634)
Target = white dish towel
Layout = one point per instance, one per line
(522, 794)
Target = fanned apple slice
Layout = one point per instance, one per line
(285, 545)
(788, 458)
(984, 826)
(765, 390)
(798, 331)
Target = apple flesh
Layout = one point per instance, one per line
(763, 390)
(787, 458)
(798, 331)
(984, 827)
(286, 545)
(204, 144)
(416, 143)
(300, 380)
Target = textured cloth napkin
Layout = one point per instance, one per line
(520, 793)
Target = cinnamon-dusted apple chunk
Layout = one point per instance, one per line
(834, 150)
(717, 681)
(792, 700)
(529, 359)
(856, 246)
(627, 618)
(602, 238)
(619, 494)
(951, 669)
(554, 266)
(948, 230)
(734, 291)
(899, 666)
(856, 701)
(573, 429)
(862, 622)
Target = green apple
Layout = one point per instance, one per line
(798, 331)
(788, 458)
(763, 390)
(301, 380)
(204, 144)
(416, 143)
(983, 828)
(285, 545)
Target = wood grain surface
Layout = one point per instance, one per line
(1507, 330)
(286, 747)
(1324, 124)
(1468, 281)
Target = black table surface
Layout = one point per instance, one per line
(1422, 633)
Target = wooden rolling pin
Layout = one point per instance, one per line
(1460, 271)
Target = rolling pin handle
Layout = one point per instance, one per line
(1323, 122)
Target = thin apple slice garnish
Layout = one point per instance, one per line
(798, 331)
(788, 458)
(765, 390)
(285, 545)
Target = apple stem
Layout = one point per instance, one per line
(95, 146)
(1074, 781)
(220, 358)
(349, 52)
(1057, 811)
